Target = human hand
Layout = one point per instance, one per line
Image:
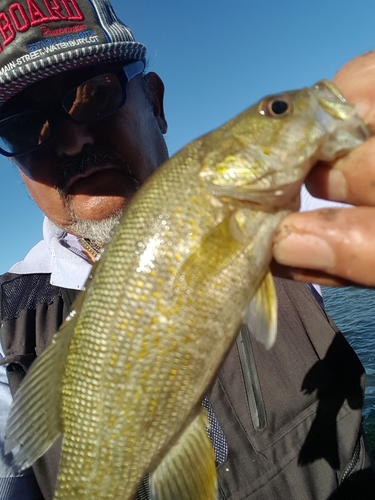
(334, 246)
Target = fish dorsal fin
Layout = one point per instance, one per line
(261, 315)
(34, 420)
(217, 250)
(188, 471)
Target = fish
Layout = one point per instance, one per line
(124, 378)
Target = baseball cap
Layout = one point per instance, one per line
(42, 38)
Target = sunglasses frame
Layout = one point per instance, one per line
(124, 74)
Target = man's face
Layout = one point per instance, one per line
(90, 171)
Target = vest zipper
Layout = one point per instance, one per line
(250, 375)
(349, 469)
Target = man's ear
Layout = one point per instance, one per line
(155, 90)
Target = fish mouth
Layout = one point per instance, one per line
(329, 94)
(345, 128)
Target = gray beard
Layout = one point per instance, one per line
(98, 231)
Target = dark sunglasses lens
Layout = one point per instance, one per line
(23, 132)
(95, 99)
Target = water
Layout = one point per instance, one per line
(353, 311)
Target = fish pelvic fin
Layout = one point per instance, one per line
(216, 252)
(34, 421)
(261, 315)
(188, 471)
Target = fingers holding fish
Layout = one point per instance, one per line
(350, 179)
(327, 246)
(334, 246)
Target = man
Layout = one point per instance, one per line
(85, 128)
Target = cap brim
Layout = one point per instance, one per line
(18, 79)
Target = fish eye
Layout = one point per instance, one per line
(276, 106)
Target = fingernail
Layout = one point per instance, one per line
(337, 185)
(364, 109)
(304, 250)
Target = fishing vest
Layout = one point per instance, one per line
(291, 416)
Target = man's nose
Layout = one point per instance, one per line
(71, 137)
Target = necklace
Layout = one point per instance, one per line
(93, 249)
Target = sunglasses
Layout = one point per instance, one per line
(90, 101)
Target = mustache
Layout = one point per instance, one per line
(83, 162)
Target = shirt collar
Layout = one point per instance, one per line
(60, 254)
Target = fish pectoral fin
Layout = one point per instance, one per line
(34, 420)
(261, 315)
(216, 252)
(188, 471)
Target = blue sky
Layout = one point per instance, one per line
(216, 58)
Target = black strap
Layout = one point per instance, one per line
(69, 296)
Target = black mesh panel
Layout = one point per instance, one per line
(25, 292)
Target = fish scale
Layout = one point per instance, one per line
(124, 377)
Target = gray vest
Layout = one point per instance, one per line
(291, 416)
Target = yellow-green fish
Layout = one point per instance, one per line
(124, 377)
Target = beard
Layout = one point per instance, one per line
(98, 231)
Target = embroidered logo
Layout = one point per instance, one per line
(33, 29)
